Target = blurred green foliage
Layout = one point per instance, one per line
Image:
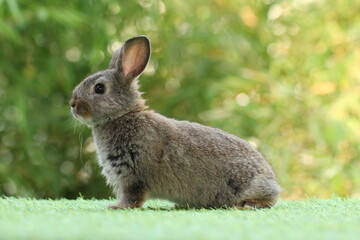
(283, 75)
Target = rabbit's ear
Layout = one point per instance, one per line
(114, 58)
(131, 59)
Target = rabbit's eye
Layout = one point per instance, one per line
(99, 88)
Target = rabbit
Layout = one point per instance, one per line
(145, 155)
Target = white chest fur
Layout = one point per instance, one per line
(117, 161)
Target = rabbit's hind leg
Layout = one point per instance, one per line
(262, 193)
(254, 204)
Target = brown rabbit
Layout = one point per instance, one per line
(146, 155)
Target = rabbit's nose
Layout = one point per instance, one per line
(72, 103)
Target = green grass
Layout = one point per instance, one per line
(88, 219)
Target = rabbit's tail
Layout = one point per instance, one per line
(263, 192)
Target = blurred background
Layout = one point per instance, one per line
(284, 75)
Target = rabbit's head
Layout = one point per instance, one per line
(111, 93)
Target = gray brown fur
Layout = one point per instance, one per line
(146, 155)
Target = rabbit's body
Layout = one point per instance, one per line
(184, 162)
(146, 155)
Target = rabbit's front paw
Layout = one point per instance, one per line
(120, 205)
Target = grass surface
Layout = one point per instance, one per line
(88, 219)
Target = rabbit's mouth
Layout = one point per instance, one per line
(87, 120)
(81, 111)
